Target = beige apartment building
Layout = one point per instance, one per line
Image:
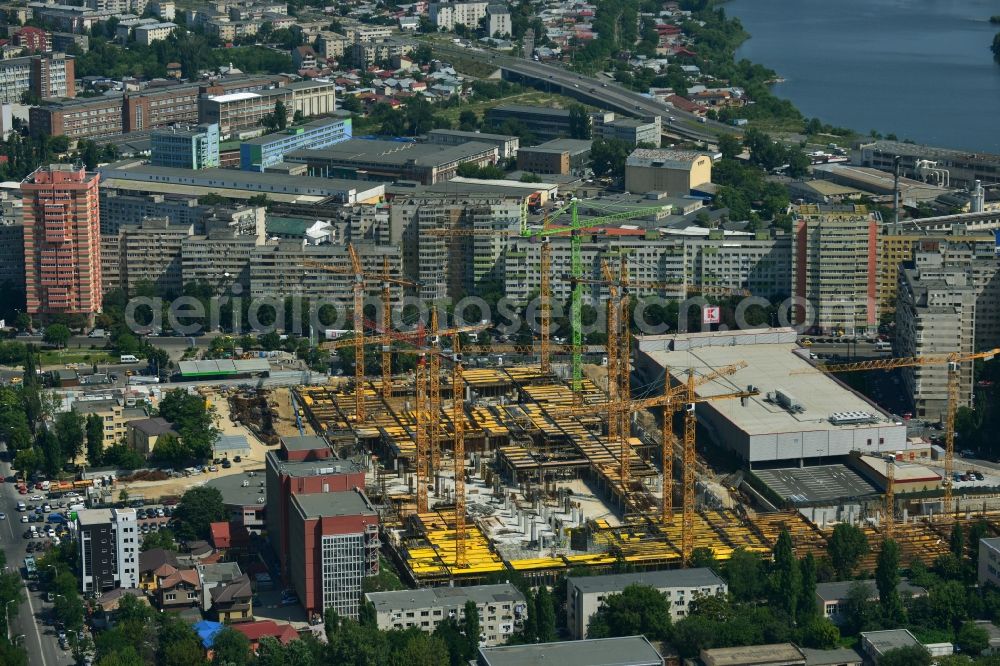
(152, 255)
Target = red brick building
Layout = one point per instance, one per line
(332, 545)
(302, 465)
(34, 39)
(62, 241)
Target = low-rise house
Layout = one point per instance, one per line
(874, 644)
(142, 434)
(178, 590)
(152, 563)
(232, 602)
(254, 631)
(776, 654)
(215, 575)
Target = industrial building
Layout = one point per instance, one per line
(333, 544)
(941, 166)
(544, 123)
(136, 176)
(666, 170)
(502, 609)
(262, 152)
(558, 156)
(625, 651)
(630, 130)
(835, 268)
(586, 594)
(800, 414)
(507, 145)
(375, 160)
(185, 147)
(108, 549)
(242, 113)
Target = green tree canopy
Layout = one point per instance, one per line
(197, 510)
(639, 609)
(56, 334)
(911, 655)
(847, 545)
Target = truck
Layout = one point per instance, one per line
(30, 568)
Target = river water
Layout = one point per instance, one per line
(921, 69)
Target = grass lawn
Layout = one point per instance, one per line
(64, 356)
(531, 97)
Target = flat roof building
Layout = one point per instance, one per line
(333, 545)
(989, 560)
(586, 594)
(623, 651)
(558, 156)
(185, 147)
(240, 184)
(775, 654)
(799, 414)
(941, 166)
(630, 130)
(502, 609)
(874, 644)
(506, 144)
(832, 598)
(265, 151)
(364, 159)
(543, 122)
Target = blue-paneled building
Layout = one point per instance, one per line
(264, 151)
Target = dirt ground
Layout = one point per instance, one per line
(177, 486)
(280, 400)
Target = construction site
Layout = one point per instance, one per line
(541, 467)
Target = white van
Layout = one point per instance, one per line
(21, 506)
(129, 358)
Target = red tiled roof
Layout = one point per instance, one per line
(189, 576)
(254, 631)
(221, 537)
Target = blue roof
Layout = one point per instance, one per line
(207, 631)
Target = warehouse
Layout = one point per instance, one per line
(363, 159)
(214, 369)
(799, 415)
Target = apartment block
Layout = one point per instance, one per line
(446, 15)
(277, 269)
(265, 151)
(33, 39)
(454, 265)
(11, 251)
(302, 465)
(43, 75)
(152, 255)
(834, 267)
(585, 594)
(366, 54)
(331, 45)
(333, 545)
(110, 411)
(760, 263)
(108, 549)
(153, 32)
(120, 210)
(220, 259)
(948, 301)
(62, 241)
(502, 609)
(186, 147)
(498, 23)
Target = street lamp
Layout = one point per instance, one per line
(7, 614)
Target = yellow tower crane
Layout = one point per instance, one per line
(358, 340)
(953, 361)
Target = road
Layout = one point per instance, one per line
(599, 92)
(40, 640)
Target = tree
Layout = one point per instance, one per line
(579, 122)
(639, 609)
(887, 582)
(470, 626)
(996, 47)
(367, 616)
(56, 334)
(231, 648)
(911, 655)
(820, 633)
(947, 602)
(957, 542)
(160, 539)
(95, 439)
(468, 121)
(807, 593)
(546, 613)
(197, 510)
(421, 649)
(607, 158)
(745, 573)
(847, 545)
(70, 434)
(786, 582)
(704, 558)
(972, 638)
(351, 103)
(729, 146)
(169, 451)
